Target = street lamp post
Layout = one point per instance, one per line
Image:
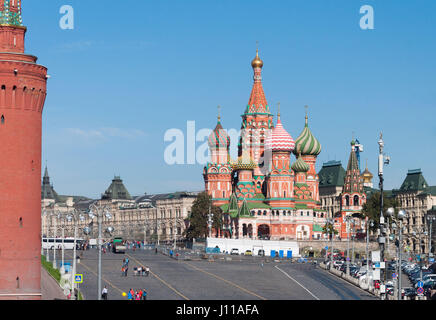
(430, 220)
(74, 216)
(382, 160)
(56, 215)
(369, 223)
(44, 224)
(209, 222)
(348, 221)
(402, 214)
(62, 218)
(330, 222)
(99, 211)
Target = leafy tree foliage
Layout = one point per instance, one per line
(329, 229)
(198, 227)
(371, 208)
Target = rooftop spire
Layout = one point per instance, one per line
(278, 113)
(257, 102)
(307, 118)
(219, 115)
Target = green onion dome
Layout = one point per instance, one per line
(300, 165)
(306, 143)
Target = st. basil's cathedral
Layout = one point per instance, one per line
(264, 194)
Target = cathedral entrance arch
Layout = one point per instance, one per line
(263, 231)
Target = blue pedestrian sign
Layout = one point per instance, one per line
(326, 248)
(431, 260)
(420, 284)
(394, 276)
(78, 278)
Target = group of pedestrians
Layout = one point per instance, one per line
(141, 271)
(140, 294)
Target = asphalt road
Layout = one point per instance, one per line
(242, 278)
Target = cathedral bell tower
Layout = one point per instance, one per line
(22, 96)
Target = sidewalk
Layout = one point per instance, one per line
(50, 289)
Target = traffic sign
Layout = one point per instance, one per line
(431, 260)
(420, 284)
(326, 248)
(394, 275)
(78, 278)
(420, 290)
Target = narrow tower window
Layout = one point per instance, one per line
(2, 119)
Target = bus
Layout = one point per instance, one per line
(51, 243)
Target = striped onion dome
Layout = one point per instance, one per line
(219, 138)
(306, 143)
(279, 139)
(243, 163)
(300, 165)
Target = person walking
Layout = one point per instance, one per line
(129, 295)
(104, 293)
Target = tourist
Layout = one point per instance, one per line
(104, 293)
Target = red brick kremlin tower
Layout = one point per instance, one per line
(22, 96)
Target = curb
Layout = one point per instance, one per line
(344, 277)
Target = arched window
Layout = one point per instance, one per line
(347, 201)
(2, 119)
(356, 201)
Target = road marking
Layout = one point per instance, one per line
(102, 278)
(297, 283)
(229, 282)
(161, 280)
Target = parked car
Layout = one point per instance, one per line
(409, 292)
(234, 251)
(261, 252)
(248, 253)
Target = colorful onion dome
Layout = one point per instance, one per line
(243, 163)
(306, 143)
(219, 137)
(279, 139)
(300, 165)
(257, 62)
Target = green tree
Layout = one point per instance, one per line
(328, 229)
(198, 227)
(371, 208)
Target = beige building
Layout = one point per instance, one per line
(419, 200)
(151, 218)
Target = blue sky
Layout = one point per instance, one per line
(131, 70)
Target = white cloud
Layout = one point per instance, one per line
(104, 133)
